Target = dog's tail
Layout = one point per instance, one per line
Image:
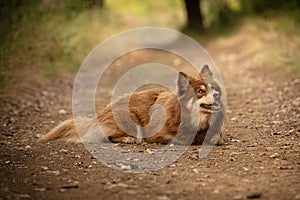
(68, 131)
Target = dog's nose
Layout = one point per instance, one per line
(216, 95)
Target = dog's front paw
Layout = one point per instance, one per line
(128, 140)
(218, 140)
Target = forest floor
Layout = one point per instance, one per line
(262, 159)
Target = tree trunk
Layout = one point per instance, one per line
(194, 15)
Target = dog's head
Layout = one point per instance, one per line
(201, 91)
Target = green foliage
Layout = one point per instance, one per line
(41, 39)
(267, 6)
(224, 15)
(29, 38)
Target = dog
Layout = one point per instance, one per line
(194, 115)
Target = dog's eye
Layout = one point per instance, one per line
(200, 91)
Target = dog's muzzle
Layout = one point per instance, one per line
(216, 105)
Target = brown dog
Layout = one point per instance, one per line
(194, 115)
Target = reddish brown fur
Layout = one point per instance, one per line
(139, 107)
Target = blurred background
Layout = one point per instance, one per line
(44, 38)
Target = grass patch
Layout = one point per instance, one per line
(281, 42)
(45, 38)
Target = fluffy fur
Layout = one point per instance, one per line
(197, 107)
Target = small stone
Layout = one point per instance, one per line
(63, 151)
(62, 112)
(245, 169)
(125, 167)
(216, 191)
(196, 171)
(79, 163)
(44, 167)
(274, 155)
(255, 195)
(276, 133)
(19, 149)
(55, 172)
(64, 170)
(132, 192)
(238, 197)
(62, 190)
(171, 145)
(125, 151)
(45, 93)
(285, 167)
(7, 162)
(28, 147)
(297, 196)
(24, 196)
(235, 140)
(70, 186)
(40, 189)
(163, 197)
(149, 151)
(211, 180)
(252, 145)
(277, 122)
(291, 131)
(122, 185)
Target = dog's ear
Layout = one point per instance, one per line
(182, 83)
(206, 72)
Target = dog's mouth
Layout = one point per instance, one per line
(212, 107)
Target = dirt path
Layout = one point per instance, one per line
(261, 161)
